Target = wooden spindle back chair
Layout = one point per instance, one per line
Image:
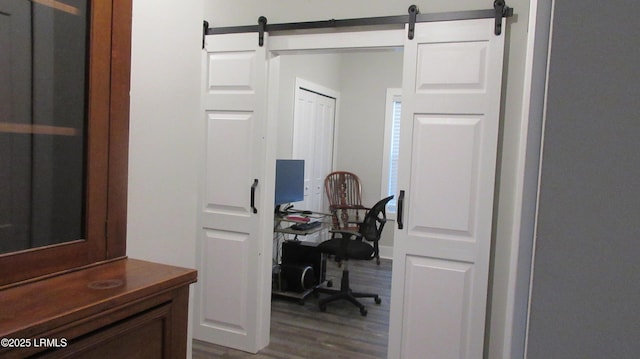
(344, 193)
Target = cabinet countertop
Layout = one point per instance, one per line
(39, 306)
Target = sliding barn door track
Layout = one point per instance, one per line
(500, 10)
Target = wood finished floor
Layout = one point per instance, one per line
(303, 332)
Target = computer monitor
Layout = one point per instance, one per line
(289, 181)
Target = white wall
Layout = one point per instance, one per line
(362, 114)
(164, 108)
(510, 175)
(165, 102)
(360, 140)
(165, 81)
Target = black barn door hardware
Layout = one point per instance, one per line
(253, 195)
(205, 26)
(413, 11)
(500, 10)
(262, 23)
(400, 210)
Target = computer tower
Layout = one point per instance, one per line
(298, 255)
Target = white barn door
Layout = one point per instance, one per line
(230, 298)
(449, 131)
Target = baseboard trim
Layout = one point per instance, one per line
(386, 252)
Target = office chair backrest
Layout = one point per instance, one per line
(374, 221)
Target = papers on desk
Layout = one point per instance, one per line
(302, 222)
(306, 226)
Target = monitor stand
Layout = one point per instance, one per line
(281, 212)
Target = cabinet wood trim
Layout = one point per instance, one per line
(84, 302)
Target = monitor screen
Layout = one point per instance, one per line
(289, 181)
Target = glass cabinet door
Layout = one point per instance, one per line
(56, 109)
(43, 120)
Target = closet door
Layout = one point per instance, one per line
(230, 299)
(449, 130)
(313, 128)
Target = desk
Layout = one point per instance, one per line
(302, 267)
(300, 218)
(302, 232)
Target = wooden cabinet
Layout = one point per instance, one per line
(126, 308)
(72, 293)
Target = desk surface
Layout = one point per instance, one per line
(301, 217)
(301, 232)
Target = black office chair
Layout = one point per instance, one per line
(348, 245)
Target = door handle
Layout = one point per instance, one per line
(253, 195)
(400, 210)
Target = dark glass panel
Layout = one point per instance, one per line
(42, 122)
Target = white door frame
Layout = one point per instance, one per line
(281, 45)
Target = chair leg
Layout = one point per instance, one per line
(345, 293)
(376, 298)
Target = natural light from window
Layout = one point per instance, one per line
(391, 147)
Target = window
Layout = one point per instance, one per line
(391, 147)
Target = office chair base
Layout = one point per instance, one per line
(346, 293)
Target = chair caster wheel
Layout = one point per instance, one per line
(322, 307)
(363, 311)
(377, 300)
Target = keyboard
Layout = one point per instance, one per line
(305, 226)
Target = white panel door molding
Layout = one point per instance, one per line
(449, 131)
(229, 297)
(313, 138)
